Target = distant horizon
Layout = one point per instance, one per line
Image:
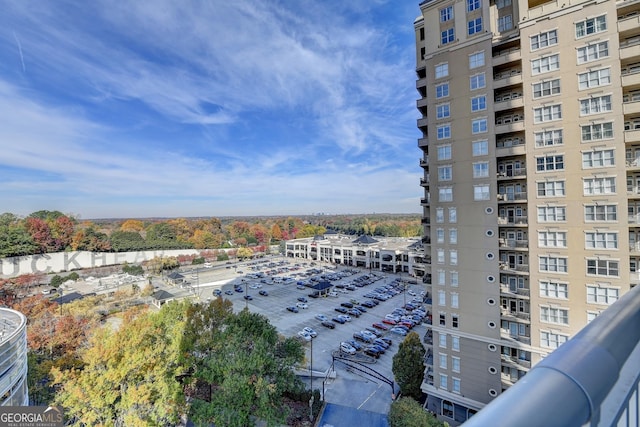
(175, 109)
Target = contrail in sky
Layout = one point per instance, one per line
(20, 50)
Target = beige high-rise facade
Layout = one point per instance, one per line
(531, 155)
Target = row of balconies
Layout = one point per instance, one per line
(518, 292)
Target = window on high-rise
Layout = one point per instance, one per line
(547, 113)
(442, 275)
(455, 343)
(552, 213)
(442, 339)
(439, 215)
(443, 319)
(502, 3)
(594, 78)
(479, 126)
(443, 382)
(599, 185)
(453, 215)
(445, 194)
(559, 316)
(444, 152)
(455, 364)
(442, 70)
(601, 240)
(544, 39)
(552, 239)
(455, 299)
(455, 321)
(505, 23)
(446, 14)
(598, 159)
(593, 52)
(477, 81)
(480, 148)
(444, 131)
(474, 26)
(479, 103)
(552, 340)
(455, 385)
(546, 88)
(440, 256)
(545, 64)
(552, 289)
(473, 5)
(453, 278)
(447, 36)
(600, 213)
(480, 169)
(599, 294)
(548, 137)
(481, 192)
(591, 26)
(442, 90)
(453, 257)
(440, 236)
(453, 236)
(476, 60)
(550, 163)
(596, 131)
(603, 267)
(442, 297)
(595, 105)
(445, 173)
(442, 111)
(553, 264)
(551, 189)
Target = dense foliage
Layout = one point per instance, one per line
(406, 412)
(53, 231)
(408, 365)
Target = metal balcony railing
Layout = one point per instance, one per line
(591, 380)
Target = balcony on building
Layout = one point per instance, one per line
(634, 248)
(428, 339)
(506, 53)
(510, 331)
(630, 73)
(507, 76)
(513, 267)
(630, 47)
(508, 98)
(631, 102)
(628, 19)
(513, 291)
(515, 362)
(515, 244)
(510, 144)
(516, 196)
(515, 315)
(510, 121)
(425, 201)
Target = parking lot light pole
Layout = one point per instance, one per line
(311, 379)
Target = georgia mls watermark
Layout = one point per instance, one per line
(31, 416)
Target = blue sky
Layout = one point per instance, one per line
(208, 108)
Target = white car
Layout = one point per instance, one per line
(346, 317)
(305, 336)
(310, 331)
(345, 347)
(302, 305)
(322, 317)
(255, 286)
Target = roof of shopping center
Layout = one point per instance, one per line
(377, 242)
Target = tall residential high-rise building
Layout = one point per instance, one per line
(530, 121)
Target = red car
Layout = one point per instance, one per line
(407, 324)
(389, 321)
(380, 326)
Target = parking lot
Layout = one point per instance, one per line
(279, 278)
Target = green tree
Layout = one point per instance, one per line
(408, 365)
(249, 369)
(129, 375)
(244, 253)
(122, 241)
(406, 412)
(15, 240)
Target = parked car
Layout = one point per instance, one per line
(292, 309)
(305, 336)
(303, 299)
(354, 312)
(398, 331)
(218, 292)
(264, 293)
(302, 305)
(358, 336)
(355, 344)
(389, 322)
(341, 310)
(248, 297)
(228, 292)
(372, 351)
(347, 348)
(339, 319)
(310, 331)
(346, 317)
(347, 305)
(322, 317)
(380, 326)
(328, 324)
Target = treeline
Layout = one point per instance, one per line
(52, 231)
(200, 360)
